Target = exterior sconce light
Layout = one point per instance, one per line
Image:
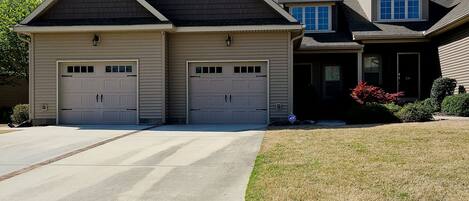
(229, 40)
(96, 40)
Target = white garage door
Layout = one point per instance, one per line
(228, 93)
(98, 93)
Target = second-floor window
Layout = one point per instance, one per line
(399, 9)
(315, 18)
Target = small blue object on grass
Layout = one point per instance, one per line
(292, 118)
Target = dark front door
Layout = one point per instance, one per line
(408, 74)
(305, 92)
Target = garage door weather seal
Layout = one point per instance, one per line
(69, 154)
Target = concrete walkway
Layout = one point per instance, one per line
(167, 163)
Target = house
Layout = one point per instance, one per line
(387, 43)
(226, 61)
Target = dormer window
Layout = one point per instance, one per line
(315, 18)
(390, 10)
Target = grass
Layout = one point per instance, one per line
(421, 161)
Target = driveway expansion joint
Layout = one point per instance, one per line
(69, 154)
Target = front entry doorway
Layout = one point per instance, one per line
(408, 74)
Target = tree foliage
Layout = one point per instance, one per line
(13, 51)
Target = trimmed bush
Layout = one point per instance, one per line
(392, 107)
(457, 105)
(370, 113)
(415, 112)
(441, 88)
(431, 104)
(364, 93)
(20, 114)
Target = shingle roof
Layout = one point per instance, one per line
(179, 12)
(362, 28)
(95, 12)
(329, 41)
(459, 12)
(219, 12)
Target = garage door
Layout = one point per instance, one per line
(98, 93)
(228, 93)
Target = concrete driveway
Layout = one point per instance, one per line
(165, 163)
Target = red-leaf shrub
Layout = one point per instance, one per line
(364, 93)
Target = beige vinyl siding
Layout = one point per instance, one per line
(272, 46)
(144, 46)
(454, 58)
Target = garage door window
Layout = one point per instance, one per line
(210, 70)
(80, 69)
(247, 69)
(118, 69)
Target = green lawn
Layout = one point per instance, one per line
(422, 161)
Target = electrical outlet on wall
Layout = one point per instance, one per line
(45, 107)
(278, 106)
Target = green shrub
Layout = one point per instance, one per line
(431, 104)
(415, 112)
(457, 105)
(441, 88)
(392, 107)
(20, 114)
(370, 113)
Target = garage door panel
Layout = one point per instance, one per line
(208, 85)
(247, 117)
(210, 116)
(98, 94)
(78, 100)
(248, 101)
(80, 117)
(118, 117)
(237, 94)
(204, 101)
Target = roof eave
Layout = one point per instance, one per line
(452, 25)
(90, 28)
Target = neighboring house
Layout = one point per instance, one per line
(225, 61)
(16, 92)
(387, 43)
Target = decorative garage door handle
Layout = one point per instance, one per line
(97, 97)
(226, 98)
(102, 98)
(230, 98)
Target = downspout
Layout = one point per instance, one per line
(30, 72)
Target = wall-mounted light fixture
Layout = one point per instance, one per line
(229, 40)
(96, 40)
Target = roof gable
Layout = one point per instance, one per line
(94, 12)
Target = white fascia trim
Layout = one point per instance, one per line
(155, 12)
(62, 29)
(281, 10)
(239, 28)
(44, 5)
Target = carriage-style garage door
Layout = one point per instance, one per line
(228, 93)
(98, 93)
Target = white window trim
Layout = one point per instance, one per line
(406, 18)
(329, 30)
